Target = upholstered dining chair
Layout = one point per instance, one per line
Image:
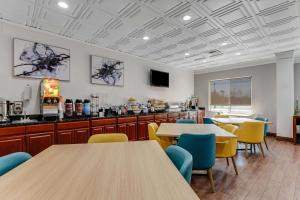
(163, 141)
(251, 133)
(226, 147)
(185, 121)
(11, 161)
(203, 149)
(207, 120)
(265, 129)
(107, 138)
(182, 160)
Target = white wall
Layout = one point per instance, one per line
(285, 98)
(297, 81)
(263, 88)
(136, 82)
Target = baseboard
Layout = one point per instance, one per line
(272, 134)
(280, 137)
(284, 138)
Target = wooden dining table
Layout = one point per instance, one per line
(111, 171)
(175, 130)
(236, 120)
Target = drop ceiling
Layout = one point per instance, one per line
(219, 33)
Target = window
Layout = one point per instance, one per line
(230, 95)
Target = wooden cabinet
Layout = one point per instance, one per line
(81, 136)
(12, 139)
(172, 117)
(160, 118)
(35, 138)
(64, 137)
(128, 125)
(11, 144)
(193, 115)
(107, 125)
(142, 126)
(201, 115)
(39, 137)
(184, 115)
(72, 132)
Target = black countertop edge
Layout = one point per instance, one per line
(55, 120)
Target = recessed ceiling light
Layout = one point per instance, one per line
(224, 43)
(187, 54)
(63, 4)
(238, 53)
(204, 61)
(186, 18)
(146, 38)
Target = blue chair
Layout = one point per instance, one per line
(182, 159)
(185, 121)
(265, 129)
(207, 120)
(203, 149)
(10, 161)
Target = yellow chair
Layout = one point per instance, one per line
(163, 141)
(107, 138)
(251, 133)
(226, 148)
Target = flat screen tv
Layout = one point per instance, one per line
(159, 78)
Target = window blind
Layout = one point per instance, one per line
(230, 92)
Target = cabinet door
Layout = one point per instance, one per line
(35, 143)
(132, 131)
(142, 130)
(81, 136)
(122, 128)
(12, 144)
(97, 130)
(110, 129)
(65, 137)
(201, 115)
(193, 116)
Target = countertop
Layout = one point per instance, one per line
(45, 121)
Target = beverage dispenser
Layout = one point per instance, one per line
(50, 93)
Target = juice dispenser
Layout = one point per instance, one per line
(49, 97)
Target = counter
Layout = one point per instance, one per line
(34, 137)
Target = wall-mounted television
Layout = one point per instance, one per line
(159, 78)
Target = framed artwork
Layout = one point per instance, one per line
(37, 60)
(107, 71)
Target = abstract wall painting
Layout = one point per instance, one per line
(37, 60)
(107, 71)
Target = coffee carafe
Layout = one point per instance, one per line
(3, 110)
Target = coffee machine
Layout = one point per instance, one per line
(49, 97)
(3, 110)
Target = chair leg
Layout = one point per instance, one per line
(246, 149)
(262, 150)
(210, 176)
(254, 148)
(266, 143)
(227, 161)
(234, 165)
(251, 148)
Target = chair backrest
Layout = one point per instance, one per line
(107, 138)
(182, 159)
(185, 121)
(251, 132)
(12, 160)
(266, 125)
(202, 147)
(207, 120)
(230, 128)
(152, 128)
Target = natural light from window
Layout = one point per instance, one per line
(233, 95)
